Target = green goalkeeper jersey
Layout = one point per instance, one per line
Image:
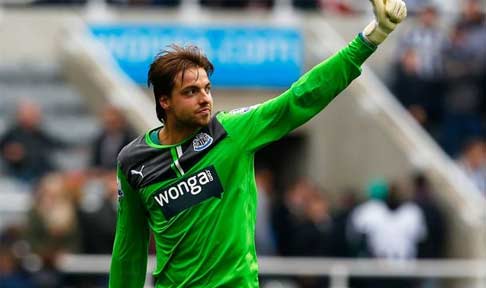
(199, 198)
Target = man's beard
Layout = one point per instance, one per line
(194, 122)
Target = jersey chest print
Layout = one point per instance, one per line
(189, 191)
(148, 165)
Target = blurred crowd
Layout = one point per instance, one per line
(342, 6)
(306, 4)
(339, 6)
(440, 76)
(71, 211)
(396, 220)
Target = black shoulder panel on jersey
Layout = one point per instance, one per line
(144, 165)
(139, 162)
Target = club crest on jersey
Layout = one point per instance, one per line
(202, 141)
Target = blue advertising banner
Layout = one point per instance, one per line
(244, 57)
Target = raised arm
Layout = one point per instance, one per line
(310, 94)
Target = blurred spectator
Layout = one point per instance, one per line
(319, 233)
(347, 201)
(168, 3)
(226, 3)
(473, 162)
(12, 271)
(60, 1)
(97, 214)
(303, 226)
(52, 224)
(391, 227)
(434, 244)
(25, 147)
(20, 267)
(427, 39)
(387, 226)
(97, 210)
(473, 21)
(11, 276)
(113, 137)
(306, 4)
(421, 60)
(302, 222)
(407, 87)
(288, 216)
(52, 229)
(339, 6)
(433, 247)
(264, 235)
(466, 69)
(441, 80)
(463, 96)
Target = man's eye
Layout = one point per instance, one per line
(191, 92)
(208, 89)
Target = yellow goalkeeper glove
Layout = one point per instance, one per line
(388, 13)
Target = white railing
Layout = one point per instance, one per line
(338, 270)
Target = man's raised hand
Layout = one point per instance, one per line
(388, 13)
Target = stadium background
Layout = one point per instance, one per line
(63, 67)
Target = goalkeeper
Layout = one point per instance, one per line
(191, 181)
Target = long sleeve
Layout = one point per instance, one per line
(129, 258)
(309, 95)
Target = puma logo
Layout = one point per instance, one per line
(135, 172)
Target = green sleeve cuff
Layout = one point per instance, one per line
(367, 42)
(360, 49)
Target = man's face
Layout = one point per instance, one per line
(191, 103)
(429, 17)
(29, 116)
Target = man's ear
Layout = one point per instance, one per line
(164, 102)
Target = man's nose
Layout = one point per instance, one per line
(204, 96)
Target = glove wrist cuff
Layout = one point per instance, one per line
(374, 33)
